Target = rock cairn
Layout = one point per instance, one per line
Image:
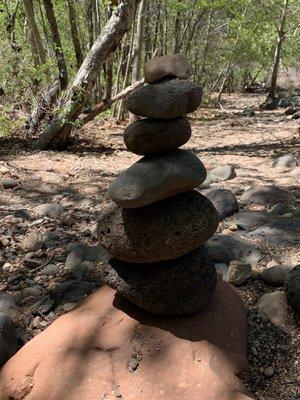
(157, 224)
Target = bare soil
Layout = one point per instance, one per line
(79, 177)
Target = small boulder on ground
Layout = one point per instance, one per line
(71, 291)
(173, 65)
(249, 219)
(292, 288)
(265, 195)
(225, 248)
(276, 274)
(248, 112)
(273, 307)
(9, 183)
(224, 201)
(220, 173)
(238, 273)
(286, 161)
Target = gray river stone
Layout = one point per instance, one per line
(154, 178)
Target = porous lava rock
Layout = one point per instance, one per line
(160, 231)
(173, 65)
(175, 287)
(150, 136)
(154, 178)
(166, 99)
(106, 348)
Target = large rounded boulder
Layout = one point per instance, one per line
(161, 231)
(166, 99)
(149, 136)
(171, 288)
(157, 177)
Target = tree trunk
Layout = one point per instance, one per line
(74, 32)
(60, 58)
(56, 134)
(137, 48)
(277, 52)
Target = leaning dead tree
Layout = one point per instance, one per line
(56, 135)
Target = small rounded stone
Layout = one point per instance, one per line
(150, 136)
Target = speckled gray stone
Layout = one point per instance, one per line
(149, 136)
(172, 288)
(161, 231)
(155, 178)
(166, 99)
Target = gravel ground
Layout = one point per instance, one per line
(78, 179)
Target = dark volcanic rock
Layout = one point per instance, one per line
(276, 275)
(149, 136)
(161, 231)
(292, 288)
(265, 195)
(165, 100)
(224, 201)
(175, 65)
(71, 291)
(8, 338)
(175, 287)
(157, 177)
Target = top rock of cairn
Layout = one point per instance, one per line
(174, 65)
(158, 224)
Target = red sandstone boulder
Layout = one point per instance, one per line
(106, 349)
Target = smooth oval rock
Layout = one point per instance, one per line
(155, 178)
(150, 136)
(286, 161)
(172, 288)
(175, 65)
(273, 307)
(166, 99)
(161, 231)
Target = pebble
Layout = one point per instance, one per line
(273, 307)
(268, 371)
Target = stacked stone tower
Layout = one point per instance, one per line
(157, 225)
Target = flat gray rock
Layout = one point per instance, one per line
(238, 273)
(71, 291)
(155, 178)
(51, 210)
(273, 307)
(150, 136)
(9, 183)
(285, 231)
(166, 99)
(265, 195)
(292, 288)
(173, 65)
(224, 201)
(225, 248)
(161, 231)
(171, 288)
(249, 220)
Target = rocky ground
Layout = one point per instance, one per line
(50, 202)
